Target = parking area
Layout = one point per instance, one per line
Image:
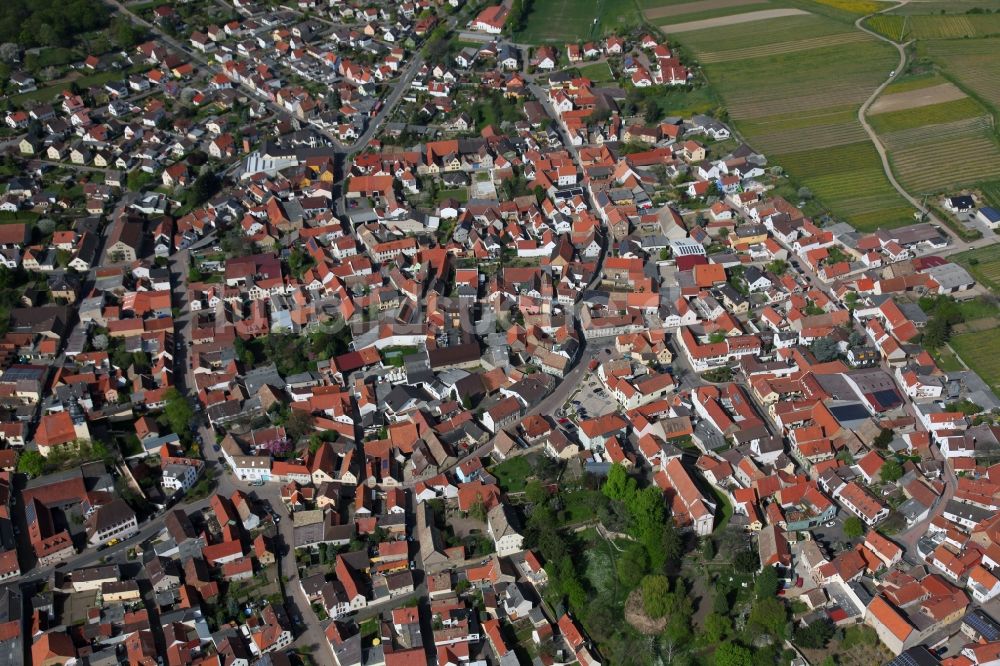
(832, 538)
(589, 400)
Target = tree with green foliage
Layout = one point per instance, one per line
(745, 561)
(766, 585)
(891, 471)
(126, 33)
(814, 635)
(717, 627)
(204, 188)
(31, 463)
(655, 595)
(177, 411)
(769, 615)
(535, 492)
(733, 654)
(853, 527)
(883, 439)
(824, 349)
(632, 565)
(619, 486)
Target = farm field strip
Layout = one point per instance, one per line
(953, 27)
(910, 82)
(733, 19)
(917, 97)
(972, 62)
(770, 31)
(859, 7)
(782, 47)
(693, 7)
(818, 136)
(970, 159)
(932, 114)
(946, 6)
(796, 120)
(941, 132)
(667, 24)
(748, 105)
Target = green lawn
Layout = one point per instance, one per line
(724, 510)
(459, 194)
(947, 361)
(598, 72)
(512, 474)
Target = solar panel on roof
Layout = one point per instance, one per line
(984, 625)
(853, 412)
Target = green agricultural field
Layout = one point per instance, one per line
(768, 31)
(947, 7)
(922, 116)
(665, 23)
(850, 181)
(966, 153)
(894, 27)
(794, 96)
(984, 265)
(954, 27)
(979, 351)
(571, 21)
(909, 82)
(971, 63)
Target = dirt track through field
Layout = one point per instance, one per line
(912, 99)
(692, 7)
(723, 21)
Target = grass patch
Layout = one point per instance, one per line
(512, 474)
(724, 510)
(459, 194)
(947, 361)
(598, 72)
